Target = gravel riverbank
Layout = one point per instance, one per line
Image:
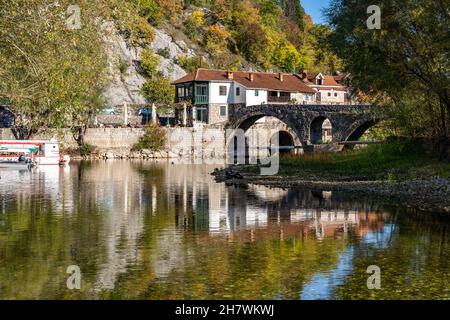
(428, 194)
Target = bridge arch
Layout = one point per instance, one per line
(289, 127)
(357, 130)
(285, 139)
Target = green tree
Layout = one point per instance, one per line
(149, 62)
(324, 60)
(406, 62)
(294, 11)
(270, 12)
(51, 75)
(158, 90)
(287, 58)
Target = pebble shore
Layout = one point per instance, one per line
(428, 194)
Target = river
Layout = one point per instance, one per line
(157, 230)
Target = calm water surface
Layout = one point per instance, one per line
(144, 230)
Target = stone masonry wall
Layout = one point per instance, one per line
(117, 142)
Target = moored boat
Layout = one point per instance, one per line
(37, 152)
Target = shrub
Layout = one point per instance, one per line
(142, 32)
(151, 10)
(149, 62)
(164, 53)
(198, 17)
(123, 65)
(154, 139)
(86, 149)
(190, 64)
(193, 25)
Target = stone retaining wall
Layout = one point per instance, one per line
(117, 142)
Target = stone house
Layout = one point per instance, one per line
(211, 91)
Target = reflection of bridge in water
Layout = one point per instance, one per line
(261, 212)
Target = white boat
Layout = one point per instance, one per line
(39, 152)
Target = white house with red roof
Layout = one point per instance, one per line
(329, 89)
(211, 91)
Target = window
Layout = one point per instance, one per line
(180, 92)
(256, 93)
(335, 94)
(329, 94)
(319, 82)
(223, 111)
(201, 90)
(238, 91)
(222, 90)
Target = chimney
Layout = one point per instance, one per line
(281, 76)
(230, 75)
(250, 76)
(304, 74)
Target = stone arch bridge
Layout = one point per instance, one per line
(349, 122)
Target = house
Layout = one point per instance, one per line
(329, 89)
(211, 91)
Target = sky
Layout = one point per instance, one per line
(313, 8)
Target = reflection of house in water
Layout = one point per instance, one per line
(233, 209)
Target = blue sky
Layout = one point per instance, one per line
(313, 8)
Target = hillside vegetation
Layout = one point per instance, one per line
(54, 75)
(269, 34)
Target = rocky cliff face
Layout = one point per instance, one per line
(123, 61)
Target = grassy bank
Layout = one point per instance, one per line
(393, 160)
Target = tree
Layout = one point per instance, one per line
(406, 62)
(151, 10)
(270, 13)
(52, 75)
(287, 58)
(149, 62)
(216, 39)
(325, 60)
(158, 90)
(294, 11)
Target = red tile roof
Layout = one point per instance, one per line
(328, 81)
(261, 80)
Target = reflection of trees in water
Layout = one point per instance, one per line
(414, 262)
(145, 230)
(37, 245)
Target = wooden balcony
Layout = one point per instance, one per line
(200, 99)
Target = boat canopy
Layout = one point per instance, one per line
(15, 149)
